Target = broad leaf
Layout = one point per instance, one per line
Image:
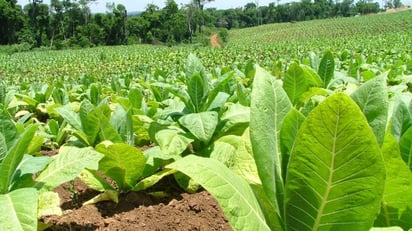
(152, 179)
(3, 147)
(295, 83)
(90, 121)
(31, 164)
(273, 219)
(66, 166)
(14, 157)
(225, 148)
(201, 125)
(288, 132)
(218, 85)
(49, 204)
(298, 79)
(155, 160)
(231, 191)
(326, 68)
(18, 210)
(71, 117)
(122, 162)
(7, 129)
(372, 98)
(406, 147)
(244, 164)
(218, 102)
(336, 172)
(106, 132)
(269, 106)
(95, 180)
(401, 120)
(193, 66)
(172, 141)
(28, 166)
(236, 118)
(197, 90)
(396, 208)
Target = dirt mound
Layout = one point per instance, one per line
(138, 211)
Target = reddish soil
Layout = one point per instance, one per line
(138, 210)
(213, 41)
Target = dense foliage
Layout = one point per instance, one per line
(65, 23)
(309, 132)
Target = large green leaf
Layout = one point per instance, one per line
(18, 210)
(225, 148)
(372, 98)
(326, 68)
(298, 79)
(288, 132)
(49, 204)
(152, 179)
(269, 106)
(236, 118)
(401, 120)
(406, 147)
(8, 129)
(231, 191)
(89, 121)
(122, 162)
(14, 157)
(218, 85)
(66, 166)
(244, 163)
(295, 83)
(172, 141)
(396, 208)
(197, 89)
(336, 172)
(193, 66)
(3, 147)
(28, 166)
(202, 125)
(71, 117)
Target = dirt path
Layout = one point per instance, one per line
(213, 41)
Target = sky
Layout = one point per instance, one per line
(139, 5)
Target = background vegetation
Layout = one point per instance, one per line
(66, 23)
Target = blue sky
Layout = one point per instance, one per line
(139, 5)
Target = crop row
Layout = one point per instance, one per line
(317, 139)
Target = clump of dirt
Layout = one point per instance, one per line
(174, 210)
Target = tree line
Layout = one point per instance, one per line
(70, 23)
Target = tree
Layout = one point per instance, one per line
(11, 21)
(38, 21)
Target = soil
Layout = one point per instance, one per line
(213, 41)
(174, 210)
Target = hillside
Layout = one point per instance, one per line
(324, 30)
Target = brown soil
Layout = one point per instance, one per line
(213, 41)
(138, 210)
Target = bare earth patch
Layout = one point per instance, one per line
(213, 41)
(138, 211)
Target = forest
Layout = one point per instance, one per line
(70, 23)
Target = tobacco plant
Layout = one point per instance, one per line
(336, 176)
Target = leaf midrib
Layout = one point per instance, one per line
(330, 179)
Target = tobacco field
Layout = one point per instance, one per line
(292, 126)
